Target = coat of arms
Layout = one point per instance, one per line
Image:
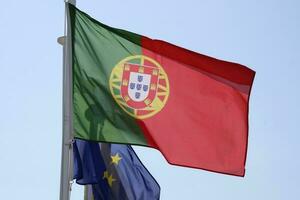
(140, 86)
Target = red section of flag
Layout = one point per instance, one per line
(204, 123)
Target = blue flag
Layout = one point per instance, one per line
(112, 171)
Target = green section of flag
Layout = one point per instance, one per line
(97, 48)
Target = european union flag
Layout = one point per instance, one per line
(112, 172)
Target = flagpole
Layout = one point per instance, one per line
(67, 136)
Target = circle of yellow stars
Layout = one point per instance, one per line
(115, 159)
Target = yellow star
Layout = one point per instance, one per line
(115, 159)
(105, 174)
(110, 180)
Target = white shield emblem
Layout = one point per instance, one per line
(139, 84)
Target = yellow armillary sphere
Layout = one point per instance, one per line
(140, 86)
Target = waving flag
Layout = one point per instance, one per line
(130, 89)
(112, 171)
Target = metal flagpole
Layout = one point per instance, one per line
(67, 137)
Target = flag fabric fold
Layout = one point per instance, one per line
(130, 89)
(112, 171)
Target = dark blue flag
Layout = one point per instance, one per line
(112, 172)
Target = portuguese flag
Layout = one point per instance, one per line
(131, 89)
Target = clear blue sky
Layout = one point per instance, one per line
(262, 34)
